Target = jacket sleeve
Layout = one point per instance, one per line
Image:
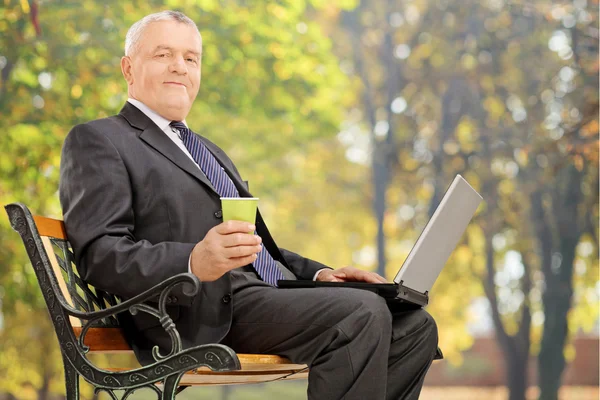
(96, 198)
(302, 267)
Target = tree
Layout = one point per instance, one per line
(566, 209)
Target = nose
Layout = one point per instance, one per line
(178, 66)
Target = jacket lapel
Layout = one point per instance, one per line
(157, 139)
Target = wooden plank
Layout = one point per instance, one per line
(202, 378)
(104, 340)
(233, 378)
(263, 363)
(111, 340)
(50, 227)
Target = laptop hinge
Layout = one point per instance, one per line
(412, 295)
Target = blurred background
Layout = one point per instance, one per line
(349, 119)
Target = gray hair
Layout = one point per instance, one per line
(135, 32)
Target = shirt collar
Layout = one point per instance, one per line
(159, 120)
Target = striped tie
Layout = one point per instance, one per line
(265, 264)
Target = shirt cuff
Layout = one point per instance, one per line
(318, 272)
(190, 264)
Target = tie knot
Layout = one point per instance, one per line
(180, 126)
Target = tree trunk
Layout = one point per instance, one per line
(558, 273)
(380, 183)
(516, 374)
(43, 391)
(380, 159)
(515, 349)
(557, 303)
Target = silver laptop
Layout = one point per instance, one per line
(429, 254)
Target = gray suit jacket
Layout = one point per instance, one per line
(134, 206)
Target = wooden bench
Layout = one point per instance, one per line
(85, 322)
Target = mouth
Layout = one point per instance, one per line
(174, 83)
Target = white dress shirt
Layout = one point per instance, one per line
(175, 136)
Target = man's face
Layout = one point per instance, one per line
(163, 72)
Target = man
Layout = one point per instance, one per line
(141, 199)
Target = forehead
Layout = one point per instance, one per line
(171, 34)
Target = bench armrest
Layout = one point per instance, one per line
(162, 289)
(137, 304)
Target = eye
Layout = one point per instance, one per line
(192, 60)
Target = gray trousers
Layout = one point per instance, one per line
(357, 348)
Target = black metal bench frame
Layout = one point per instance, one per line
(98, 309)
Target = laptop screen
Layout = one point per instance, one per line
(439, 237)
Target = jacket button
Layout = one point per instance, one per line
(219, 214)
(227, 298)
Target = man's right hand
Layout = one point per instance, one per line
(225, 247)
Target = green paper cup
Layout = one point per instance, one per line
(239, 209)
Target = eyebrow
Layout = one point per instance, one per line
(163, 47)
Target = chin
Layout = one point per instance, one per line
(177, 109)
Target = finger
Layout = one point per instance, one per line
(241, 261)
(370, 277)
(241, 251)
(233, 226)
(357, 275)
(330, 278)
(339, 276)
(380, 278)
(240, 239)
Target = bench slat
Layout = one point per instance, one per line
(104, 340)
(201, 377)
(111, 340)
(50, 227)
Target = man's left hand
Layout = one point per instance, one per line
(350, 274)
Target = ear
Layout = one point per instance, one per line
(126, 69)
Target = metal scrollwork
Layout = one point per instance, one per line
(185, 359)
(30, 244)
(111, 380)
(50, 297)
(211, 357)
(60, 323)
(161, 369)
(70, 347)
(136, 378)
(87, 371)
(18, 222)
(39, 267)
(165, 320)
